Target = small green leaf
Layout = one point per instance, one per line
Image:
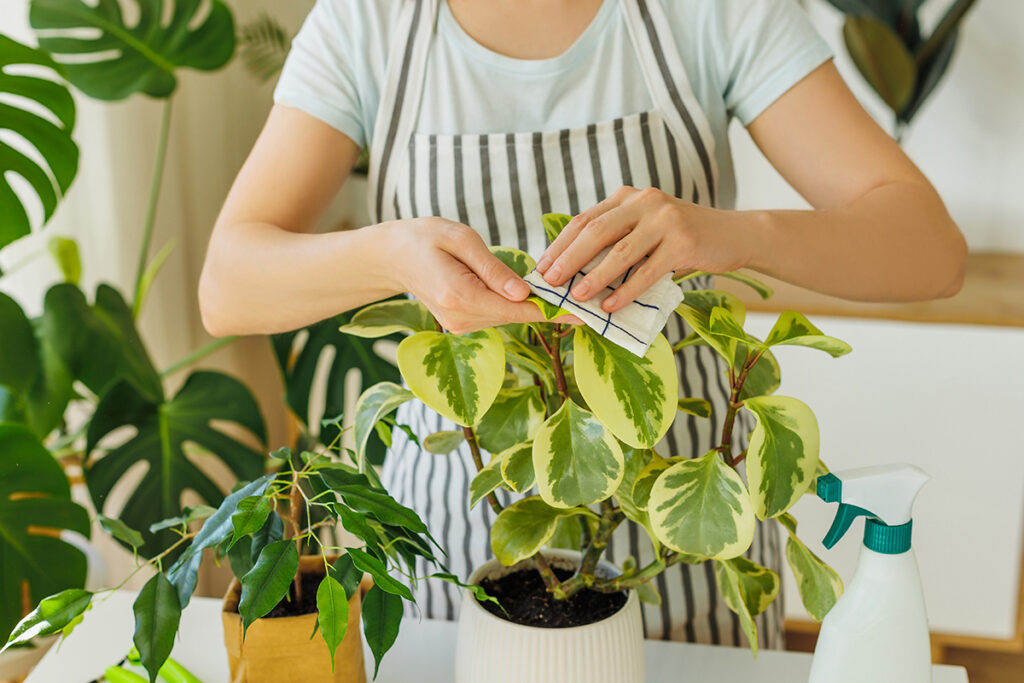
(345, 572)
(157, 613)
(332, 613)
(701, 507)
(64, 251)
(375, 568)
(722, 323)
(51, 616)
(783, 453)
(373, 404)
(459, 376)
(695, 406)
(120, 531)
(388, 317)
(795, 329)
(251, 516)
(519, 261)
(747, 588)
(382, 615)
(444, 442)
(478, 591)
(696, 309)
(267, 584)
(485, 481)
(553, 224)
(819, 585)
(517, 467)
(525, 527)
(576, 459)
(648, 594)
(380, 505)
(763, 290)
(514, 417)
(284, 452)
(549, 310)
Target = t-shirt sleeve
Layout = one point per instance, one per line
(320, 74)
(766, 47)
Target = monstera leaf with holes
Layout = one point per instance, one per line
(171, 437)
(300, 353)
(50, 170)
(124, 59)
(35, 506)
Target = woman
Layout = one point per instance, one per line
(481, 116)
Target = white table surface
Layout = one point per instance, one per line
(105, 636)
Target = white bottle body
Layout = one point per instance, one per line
(878, 631)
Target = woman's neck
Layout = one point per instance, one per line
(525, 29)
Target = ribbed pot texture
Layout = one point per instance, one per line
(494, 650)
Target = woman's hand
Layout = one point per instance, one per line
(448, 267)
(674, 235)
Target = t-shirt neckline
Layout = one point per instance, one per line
(584, 43)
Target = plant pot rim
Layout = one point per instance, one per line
(229, 605)
(486, 568)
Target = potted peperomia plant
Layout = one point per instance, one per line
(580, 419)
(279, 596)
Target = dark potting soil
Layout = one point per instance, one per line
(525, 598)
(290, 607)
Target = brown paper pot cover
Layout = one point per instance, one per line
(280, 650)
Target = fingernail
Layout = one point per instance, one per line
(553, 275)
(543, 264)
(516, 289)
(581, 290)
(609, 303)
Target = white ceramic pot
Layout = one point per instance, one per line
(492, 650)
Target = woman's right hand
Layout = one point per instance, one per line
(448, 267)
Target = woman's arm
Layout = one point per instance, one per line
(265, 272)
(878, 231)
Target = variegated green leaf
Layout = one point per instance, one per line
(576, 459)
(517, 467)
(372, 405)
(549, 310)
(388, 317)
(696, 310)
(762, 379)
(514, 417)
(747, 588)
(485, 481)
(569, 534)
(695, 406)
(459, 376)
(527, 357)
(795, 329)
(763, 290)
(519, 261)
(554, 223)
(636, 460)
(647, 476)
(820, 586)
(525, 527)
(701, 507)
(634, 397)
(443, 443)
(783, 453)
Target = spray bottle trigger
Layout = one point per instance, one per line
(844, 518)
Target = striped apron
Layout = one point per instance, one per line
(500, 184)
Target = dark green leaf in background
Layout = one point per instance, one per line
(157, 613)
(882, 59)
(146, 54)
(120, 531)
(251, 516)
(347, 574)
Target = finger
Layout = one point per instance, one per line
(572, 230)
(638, 282)
(467, 246)
(624, 254)
(603, 231)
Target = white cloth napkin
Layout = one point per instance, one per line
(632, 327)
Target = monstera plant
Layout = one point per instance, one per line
(571, 421)
(900, 64)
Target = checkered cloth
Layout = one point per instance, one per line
(633, 327)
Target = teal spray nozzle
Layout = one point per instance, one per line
(883, 494)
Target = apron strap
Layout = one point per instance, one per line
(400, 100)
(670, 88)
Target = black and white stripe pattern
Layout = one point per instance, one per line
(500, 184)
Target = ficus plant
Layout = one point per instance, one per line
(572, 420)
(261, 528)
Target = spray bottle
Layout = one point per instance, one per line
(878, 630)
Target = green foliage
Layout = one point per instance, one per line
(263, 46)
(143, 56)
(819, 585)
(64, 251)
(513, 418)
(525, 527)
(50, 135)
(382, 613)
(157, 614)
(52, 615)
(332, 613)
(747, 588)
(783, 453)
(267, 582)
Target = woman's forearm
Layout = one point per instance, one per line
(895, 243)
(260, 279)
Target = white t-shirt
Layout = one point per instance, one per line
(740, 56)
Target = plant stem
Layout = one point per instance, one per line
(154, 195)
(554, 586)
(556, 362)
(734, 407)
(611, 517)
(295, 518)
(478, 460)
(198, 355)
(620, 583)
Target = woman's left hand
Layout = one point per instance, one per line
(674, 235)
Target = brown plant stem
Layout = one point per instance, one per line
(556, 361)
(611, 517)
(735, 404)
(478, 460)
(295, 519)
(554, 586)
